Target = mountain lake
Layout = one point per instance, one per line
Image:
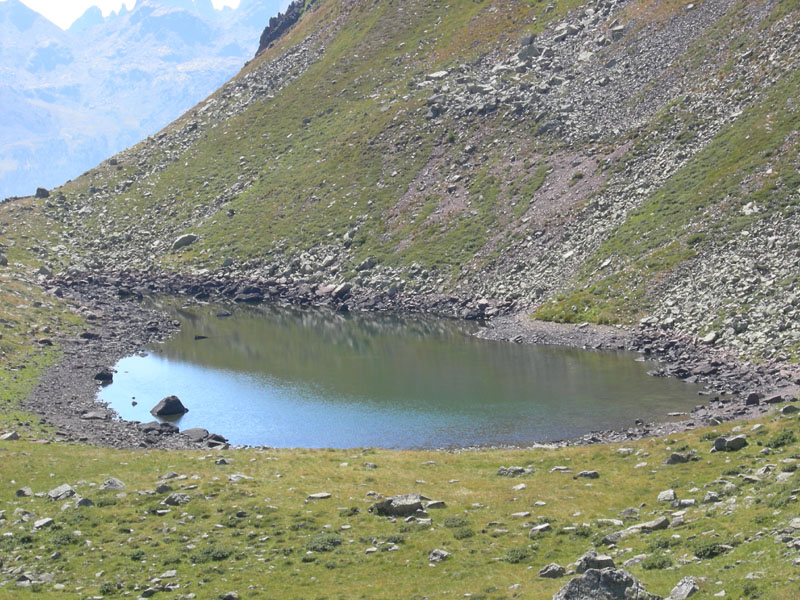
(286, 377)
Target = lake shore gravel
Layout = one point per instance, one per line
(120, 322)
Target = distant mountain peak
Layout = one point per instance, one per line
(93, 16)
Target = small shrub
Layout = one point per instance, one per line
(454, 522)
(109, 501)
(750, 590)
(517, 555)
(212, 553)
(108, 588)
(790, 468)
(137, 555)
(784, 438)
(463, 533)
(656, 562)
(64, 538)
(323, 542)
(706, 550)
(395, 539)
(662, 543)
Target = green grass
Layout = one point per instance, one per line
(263, 532)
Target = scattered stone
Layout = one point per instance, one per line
(195, 434)
(11, 436)
(552, 571)
(667, 496)
(176, 499)
(537, 529)
(726, 444)
(61, 492)
(593, 560)
(319, 496)
(112, 484)
(588, 475)
(398, 506)
(104, 376)
(184, 240)
(438, 555)
(42, 523)
(686, 587)
(24, 492)
(513, 471)
(789, 409)
(171, 405)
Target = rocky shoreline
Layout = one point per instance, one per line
(119, 324)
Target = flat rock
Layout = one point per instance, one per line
(42, 523)
(513, 471)
(62, 492)
(398, 506)
(593, 560)
(185, 240)
(686, 587)
(667, 496)
(552, 571)
(195, 434)
(9, 437)
(319, 496)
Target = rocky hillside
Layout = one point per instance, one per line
(612, 161)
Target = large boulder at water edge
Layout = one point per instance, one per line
(169, 406)
(606, 584)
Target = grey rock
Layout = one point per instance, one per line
(9, 437)
(319, 496)
(667, 496)
(726, 444)
(513, 471)
(593, 560)
(195, 434)
(686, 587)
(171, 405)
(438, 555)
(537, 529)
(42, 523)
(24, 492)
(605, 584)
(176, 499)
(398, 506)
(62, 492)
(588, 475)
(184, 240)
(112, 483)
(552, 571)
(789, 409)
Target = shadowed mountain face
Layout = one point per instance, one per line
(72, 98)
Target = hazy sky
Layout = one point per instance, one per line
(64, 12)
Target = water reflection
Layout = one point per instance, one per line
(291, 377)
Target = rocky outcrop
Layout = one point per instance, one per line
(280, 24)
(606, 584)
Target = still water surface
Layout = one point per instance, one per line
(307, 378)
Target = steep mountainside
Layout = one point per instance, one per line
(608, 161)
(72, 98)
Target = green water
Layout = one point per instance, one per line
(288, 377)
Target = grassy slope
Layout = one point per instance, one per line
(121, 542)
